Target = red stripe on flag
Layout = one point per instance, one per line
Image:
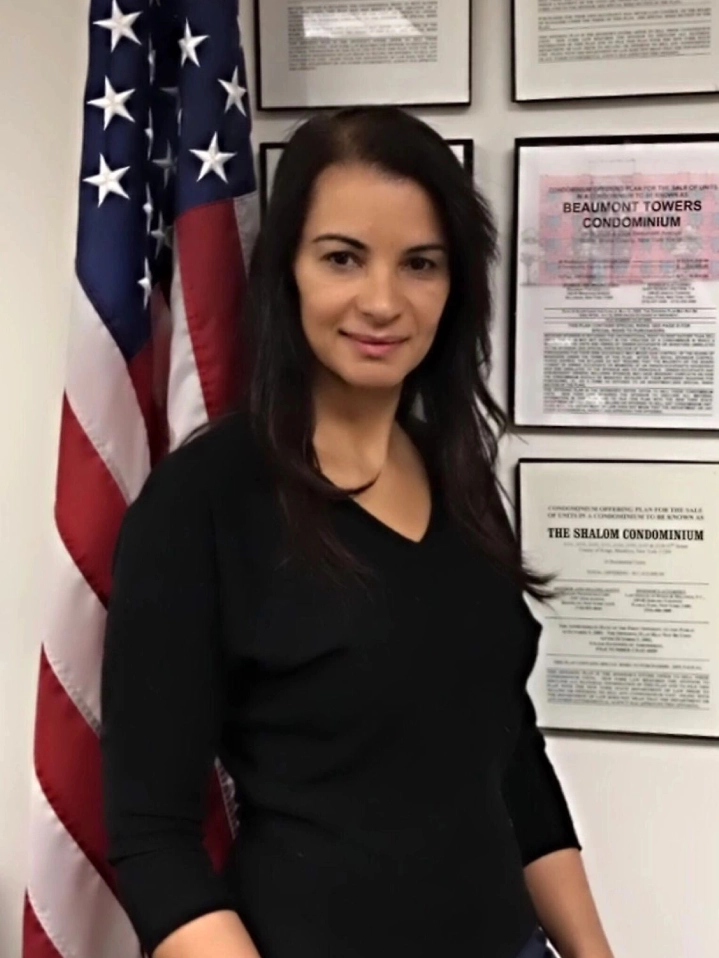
(213, 281)
(149, 379)
(67, 764)
(34, 940)
(89, 506)
(216, 829)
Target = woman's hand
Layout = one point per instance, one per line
(563, 902)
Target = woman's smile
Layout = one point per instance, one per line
(374, 347)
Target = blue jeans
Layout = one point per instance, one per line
(537, 947)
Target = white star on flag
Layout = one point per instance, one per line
(213, 160)
(148, 208)
(235, 92)
(113, 103)
(161, 235)
(146, 283)
(152, 60)
(174, 92)
(167, 164)
(120, 24)
(150, 134)
(108, 181)
(189, 45)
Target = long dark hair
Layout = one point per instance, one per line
(460, 422)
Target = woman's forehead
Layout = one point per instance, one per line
(361, 196)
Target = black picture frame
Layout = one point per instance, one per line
(263, 106)
(463, 146)
(560, 142)
(519, 515)
(711, 89)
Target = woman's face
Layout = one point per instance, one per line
(373, 275)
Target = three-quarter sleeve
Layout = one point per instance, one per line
(532, 792)
(534, 797)
(162, 705)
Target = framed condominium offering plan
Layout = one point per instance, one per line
(333, 53)
(630, 642)
(270, 154)
(574, 49)
(615, 283)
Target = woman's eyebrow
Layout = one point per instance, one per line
(359, 245)
(340, 238)
(428, 248)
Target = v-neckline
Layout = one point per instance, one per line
(393, 533)
(389, 531)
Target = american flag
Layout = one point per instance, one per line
(167, 215)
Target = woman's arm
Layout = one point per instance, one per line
(547, 840)
(220, 934)
(563, 901)
(163, 705)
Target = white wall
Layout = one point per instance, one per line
(41, 64)
(645, 808)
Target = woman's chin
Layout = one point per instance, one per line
(372, 378)
(363, 376)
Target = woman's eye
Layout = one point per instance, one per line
(340, 258)
(420, 264)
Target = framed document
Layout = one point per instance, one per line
(615, 283)
(270, 154)
(312, 54)
(464, 151)
(630, 642)
(574, 49)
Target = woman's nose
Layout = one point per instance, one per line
(380, 295)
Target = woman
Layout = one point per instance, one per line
(322, 590)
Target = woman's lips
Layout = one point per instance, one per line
(374, 346)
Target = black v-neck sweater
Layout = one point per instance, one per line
(391, 779)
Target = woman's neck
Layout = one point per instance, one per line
(355, 430)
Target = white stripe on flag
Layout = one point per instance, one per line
(74, 631)
(186, 408)
(103, 399)
(247, 215)
(64, 889)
